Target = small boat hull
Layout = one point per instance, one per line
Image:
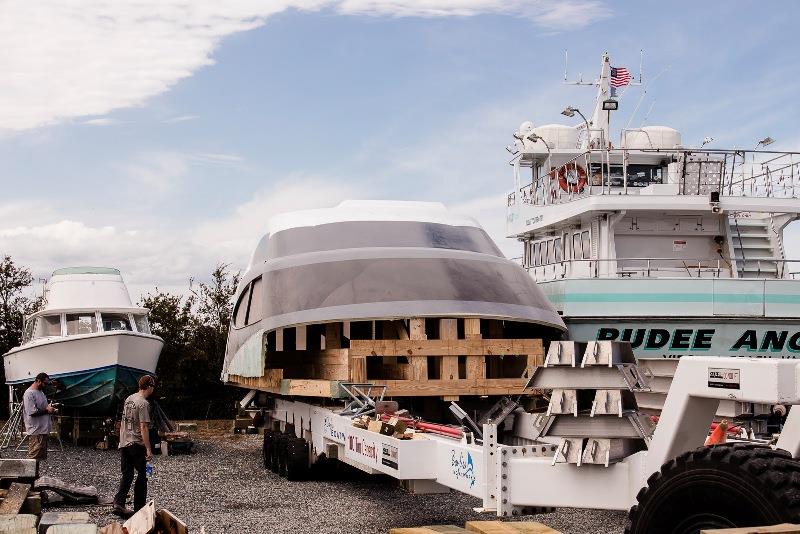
(94, 372)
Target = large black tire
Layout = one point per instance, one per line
(275, 463)
(725, 486)
(283, 442)
(269, 444)
(297, 464)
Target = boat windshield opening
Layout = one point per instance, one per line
(47, 326)
(142, 324)
(81, 323)
(115, 321)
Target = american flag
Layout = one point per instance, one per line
(620, 76)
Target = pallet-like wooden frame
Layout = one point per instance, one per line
(459, 365)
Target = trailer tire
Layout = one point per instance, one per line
(278, 448)
(282, 443)
(297, 466)
(269, 445)
(724, 486)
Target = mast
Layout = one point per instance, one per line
(601, 118)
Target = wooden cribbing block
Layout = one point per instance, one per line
(448, 329)
(452, 347)
(434, 529)
(13, 468)
(76, 528)
(476, 366)
(509, 527)
(14, 499)
(18, 524)
(419, 364)
(783, 528)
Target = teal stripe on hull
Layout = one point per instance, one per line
(96, 392)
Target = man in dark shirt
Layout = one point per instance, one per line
(134, 446)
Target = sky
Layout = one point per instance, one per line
(158, 137)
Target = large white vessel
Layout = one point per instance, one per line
(89, 337)
(677, 249)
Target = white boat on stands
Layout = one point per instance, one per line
(678, 250)
(89, 337)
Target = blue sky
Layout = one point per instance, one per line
(160, 138)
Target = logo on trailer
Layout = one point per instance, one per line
(462, 466)
(367, 449)
(389, 455)
(330, 431)
(723, 378)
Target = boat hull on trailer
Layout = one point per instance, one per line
(94, 372)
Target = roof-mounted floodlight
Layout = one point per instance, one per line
(766, 141)
(569, 111)
(610, 105)
(706, 140)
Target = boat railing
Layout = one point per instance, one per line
(692, 172)
(664, 268)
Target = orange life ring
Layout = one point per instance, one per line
(572, 177)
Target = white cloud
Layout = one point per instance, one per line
(158, 172)
(156, 252)
(103, 121)
(62, 60)
(181, 118)
(235, 235)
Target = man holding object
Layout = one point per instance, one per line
(36, 413)
(134, 445)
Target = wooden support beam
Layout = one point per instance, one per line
(333, 336)
(419, 364)
(476, 365)
(445, 347)
(279, 339)
(448, 330)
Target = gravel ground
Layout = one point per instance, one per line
(224, 488)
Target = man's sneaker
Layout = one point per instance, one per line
(122, 511)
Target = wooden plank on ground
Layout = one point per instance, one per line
(432, 529)
(76, 528)
(18, 524)
(18, 468)
(445, 347)
(509, 527)
(418, 364)
(783, 528)
(112, 528)
(14, 499)
(143, 521)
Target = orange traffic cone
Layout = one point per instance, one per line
(719, 435)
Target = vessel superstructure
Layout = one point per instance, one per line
(89, 337)
(676, 249)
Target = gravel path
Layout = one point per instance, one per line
(224, 488)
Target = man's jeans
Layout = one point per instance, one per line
(133, 458)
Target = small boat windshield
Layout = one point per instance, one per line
(81, 323)
(115, 321)
(142, 324)
(47, 326)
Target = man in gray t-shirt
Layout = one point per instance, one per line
(134, 447)
(36, 413)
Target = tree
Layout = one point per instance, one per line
(14, 306)
(195, 332)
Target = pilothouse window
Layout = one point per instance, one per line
(240, 312)
(115, 321)
(81, 323)
(142, 324)
(47, 326)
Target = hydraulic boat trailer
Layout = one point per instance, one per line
(602, 455)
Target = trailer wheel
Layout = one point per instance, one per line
(725, 486)
(297, 466)
(269, 444)
(283, 443)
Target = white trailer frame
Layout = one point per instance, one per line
(512, 479)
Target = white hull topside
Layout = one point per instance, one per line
(60, 356)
